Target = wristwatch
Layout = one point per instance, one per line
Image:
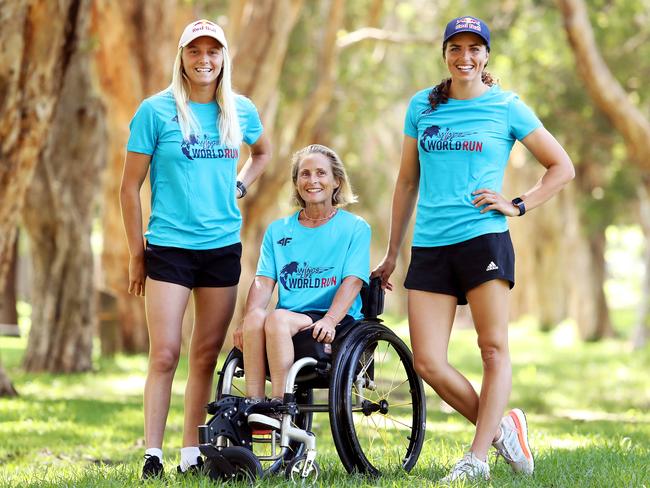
(242, 189)
(519, 203)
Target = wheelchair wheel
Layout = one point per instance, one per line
(295, 468)
(341, 434)
(238, 386)
(247, 466)
(384, 406)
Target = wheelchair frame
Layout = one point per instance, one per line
(297, 445)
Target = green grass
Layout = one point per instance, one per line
(588, 406)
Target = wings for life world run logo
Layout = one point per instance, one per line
(436, 139)
(294, 276)
(204, 148)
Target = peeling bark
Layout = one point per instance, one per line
(33, 60)
(135, 53)
(58, 216)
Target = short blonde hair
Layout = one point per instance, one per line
(228, 120)
(343, 195)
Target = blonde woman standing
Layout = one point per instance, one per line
(188, 136)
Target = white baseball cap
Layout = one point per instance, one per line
(200, 28)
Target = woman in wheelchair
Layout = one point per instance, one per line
(320, 256)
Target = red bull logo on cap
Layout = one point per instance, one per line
(203, 25)
(468, 23)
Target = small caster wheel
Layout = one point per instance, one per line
(300, 472)
(241, 465)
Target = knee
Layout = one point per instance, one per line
(164, 360)
(493, 353)
(205, 358)
(254, 322)
(431, 368)
(276, 322)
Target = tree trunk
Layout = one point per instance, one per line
(33, 60)
(6, 388)
(135, 53)
(262, 38)
(58, 216)
(8, 313)
(602, 326)
(605, 91)
(641, 333)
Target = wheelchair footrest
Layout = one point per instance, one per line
(257, 421)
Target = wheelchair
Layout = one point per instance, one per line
(375, 401)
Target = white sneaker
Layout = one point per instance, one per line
(467, 469)
(513, 443)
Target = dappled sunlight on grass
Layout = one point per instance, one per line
(587, 406)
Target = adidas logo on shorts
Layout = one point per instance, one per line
(491, 266)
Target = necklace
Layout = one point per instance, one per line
(307, 217)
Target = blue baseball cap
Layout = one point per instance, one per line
(468, 24)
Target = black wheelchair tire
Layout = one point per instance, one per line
(372, 340)
(340, 430)
(243, 460)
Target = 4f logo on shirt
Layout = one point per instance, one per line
(284, 241)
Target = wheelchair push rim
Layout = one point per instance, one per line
(384, 406)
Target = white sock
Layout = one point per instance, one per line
(154, 451)
(188, 457)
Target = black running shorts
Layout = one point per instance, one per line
(193, 268)
(457, 268)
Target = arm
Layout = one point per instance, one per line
(343, 300)
(254, 166)
(559, 171)
(136, 166)
(404, 198)
(259, 295)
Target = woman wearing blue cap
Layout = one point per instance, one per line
(189, 137)
(457, 140)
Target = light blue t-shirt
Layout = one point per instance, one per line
(463, 145)
(192, 181)
(310, 263)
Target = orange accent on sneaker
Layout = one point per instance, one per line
(520, 434)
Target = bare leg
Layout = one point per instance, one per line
(165, 304)
(255, 352)
(213, 310)
(489, 303)
(431, 316)
(280, 327)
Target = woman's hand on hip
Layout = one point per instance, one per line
(384, 270)
(137, 275)
(491, 200)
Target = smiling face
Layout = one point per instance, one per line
(203, 61)
(316, 182)
(466, 56)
